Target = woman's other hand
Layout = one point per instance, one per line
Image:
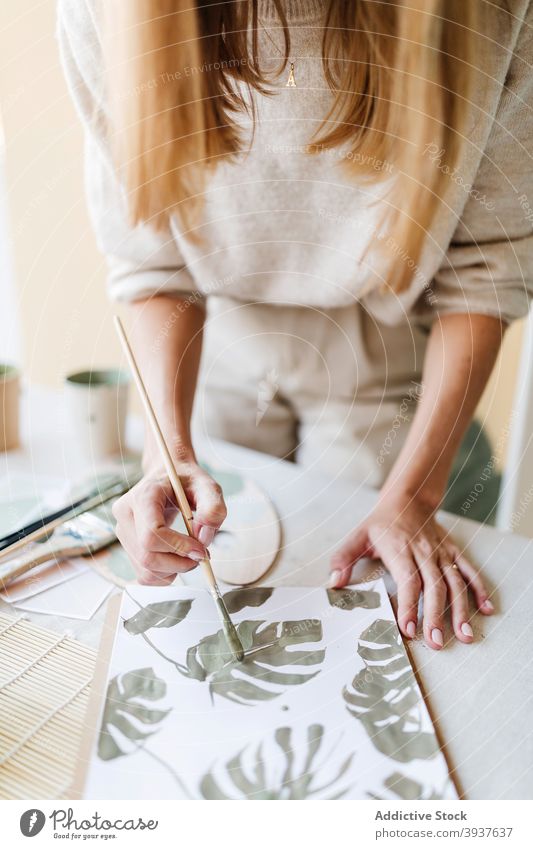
(421, 557)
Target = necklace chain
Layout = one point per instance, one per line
(291, 79)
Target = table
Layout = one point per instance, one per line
(480, 696)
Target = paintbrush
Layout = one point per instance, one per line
(24, 536)
(79, 537)
(38, 524)
(230, 631)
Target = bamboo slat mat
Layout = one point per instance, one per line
(45, 680)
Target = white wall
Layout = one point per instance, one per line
(65, 315)
(10, 347)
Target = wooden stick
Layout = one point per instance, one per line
(229, 628)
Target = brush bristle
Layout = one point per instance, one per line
(230, 632)
(233, 641)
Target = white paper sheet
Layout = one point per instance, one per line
(78, 598)
(331, 710)
(42, 578)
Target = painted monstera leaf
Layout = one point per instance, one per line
(403, 787)
(166, 614)
(385, 697)
(271, 663)
(248, 775)
(236, 600)
(350, 599)
(161, 614)
(125, 717)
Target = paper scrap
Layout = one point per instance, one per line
(42, 578)
(78, 598)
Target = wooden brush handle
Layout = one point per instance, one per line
(179, 492)
(172, 474)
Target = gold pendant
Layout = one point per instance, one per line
(291, 82)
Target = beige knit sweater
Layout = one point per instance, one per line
(283, 227)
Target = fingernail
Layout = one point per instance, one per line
(436, 636)
(466, 628)
(206, 535)
(334, 578)
(196, 555)
(488, 606)
(411, 630)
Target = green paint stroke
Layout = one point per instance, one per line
(385, 696)
(236, 600)
(123, 712)
(407, 788)
(161, 614)
(230, 482)
(245, 777)
(266, 670)
(350, 599)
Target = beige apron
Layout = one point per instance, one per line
(331, 389)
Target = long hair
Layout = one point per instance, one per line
(401, 74)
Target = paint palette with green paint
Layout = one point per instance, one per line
(325, 704)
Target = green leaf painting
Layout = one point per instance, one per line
(283, 724)
(236, 600)
(403, 787)
(350, 599)
(125, 713)
(161, 614)
(385, 697)
(268, 667)
(166, 614)
(248, 775)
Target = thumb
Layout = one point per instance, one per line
(354, 547)
(210, 509)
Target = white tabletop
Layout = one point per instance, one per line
(480, 696)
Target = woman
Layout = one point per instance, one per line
(328, 192)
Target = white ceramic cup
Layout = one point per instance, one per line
(97, 403)
(9, 407)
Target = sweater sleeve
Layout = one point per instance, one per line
(488, 267)
(141, 260)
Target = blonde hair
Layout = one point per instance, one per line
(401, 73)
